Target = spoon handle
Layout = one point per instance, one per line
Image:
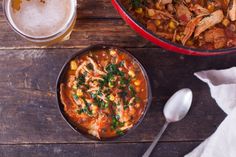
(157, 138)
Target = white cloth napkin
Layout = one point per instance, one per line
(222, 143)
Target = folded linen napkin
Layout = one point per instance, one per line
(222, 143)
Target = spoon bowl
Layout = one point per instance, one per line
(178, 105)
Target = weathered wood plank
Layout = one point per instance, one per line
(86, 32)
(96, 150)
(96, 9)
(28, 109)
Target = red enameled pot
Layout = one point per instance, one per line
(166, 44)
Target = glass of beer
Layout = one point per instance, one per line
(42, 21)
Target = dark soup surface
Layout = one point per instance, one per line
(105, 92)
(202, 24)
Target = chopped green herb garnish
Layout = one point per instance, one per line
(93, 95)
(86, 108)
(132, 91)
(119, 132)
(104, 105)
(126, 107)
(124, 81)
(121, 64)
(90, 66)
(81, 80)
(116, 123)
(112, 68)
(75, 96)
(123, 94)
(87, 86)
(99, 93)
(117, 117)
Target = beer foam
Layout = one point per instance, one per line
(42, 18)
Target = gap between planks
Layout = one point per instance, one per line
(100, 142)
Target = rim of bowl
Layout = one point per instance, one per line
(192, 51)
(61, 77)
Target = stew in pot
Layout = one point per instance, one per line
(204, 24)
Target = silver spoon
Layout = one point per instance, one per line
(175, 109)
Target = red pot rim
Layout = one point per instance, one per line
(164, 43)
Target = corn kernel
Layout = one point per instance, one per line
(211, 7)
(74, 87)
(73, 65)
(137, 89)
(95, 83)
(178, 37)
(159, 6)
(139, 10)
(189, 43)
(79, 92)
(151, 12)
(111, 97)
(110, 84)
(112, 52)
(172, 25)
(225, 22)
(137, 83)
(132, 111)
(94, 109)
(131, 73)
(157, 22)
(137, 105)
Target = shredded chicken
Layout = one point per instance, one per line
(199, 10)
(103, 97)
(96, 78)
(94, 128)
(231, 42)
(158, 13)
(207, 22)
(232, 10)
(189, 29)
(71, 81)
(164, 2)
(165, 35)
(183, 14)
(87, 70)
(93, 89)
(95, 66)
(131, 100)
(126, 127)
(217, 37)
(151, 26)
(80, 68)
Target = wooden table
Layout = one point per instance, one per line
(31, 125)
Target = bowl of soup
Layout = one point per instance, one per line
(103, 92)
(193, 27)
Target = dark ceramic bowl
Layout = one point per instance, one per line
(61, 78)
(164, 43)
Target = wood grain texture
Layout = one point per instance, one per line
(28, 108)
(96, 150)
(86, 32)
